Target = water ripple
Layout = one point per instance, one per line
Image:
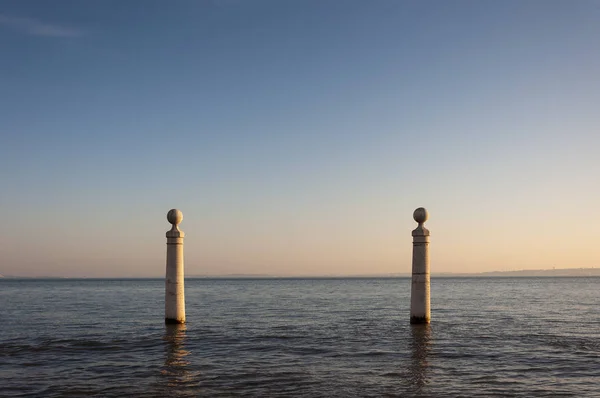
(303, 338)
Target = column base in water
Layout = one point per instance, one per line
(171, 321)
(419, 320)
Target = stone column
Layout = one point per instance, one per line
(174, 289)
(420, 311)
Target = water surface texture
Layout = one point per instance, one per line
(300, 337)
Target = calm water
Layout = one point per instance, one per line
(300, 337)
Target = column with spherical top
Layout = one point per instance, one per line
(420, 311)
(174, 289)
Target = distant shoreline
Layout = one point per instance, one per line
(563, 272)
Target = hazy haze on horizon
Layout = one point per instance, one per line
(297, 137)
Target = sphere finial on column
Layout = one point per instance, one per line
(420, 215)
(175, 216)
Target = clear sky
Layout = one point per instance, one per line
(297, 137)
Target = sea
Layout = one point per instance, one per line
(331, 337)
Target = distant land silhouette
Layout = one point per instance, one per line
(530, 272)
(524, 273)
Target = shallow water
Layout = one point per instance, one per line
(300, 337)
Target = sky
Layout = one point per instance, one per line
(298, 137)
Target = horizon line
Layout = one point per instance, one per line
(548, 272)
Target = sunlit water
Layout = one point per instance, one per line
(300, 337)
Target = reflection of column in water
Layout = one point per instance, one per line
(175, 368)
(420, 345)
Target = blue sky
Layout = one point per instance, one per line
(297, 137)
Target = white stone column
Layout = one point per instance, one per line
(420, 311)
(174, 289)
